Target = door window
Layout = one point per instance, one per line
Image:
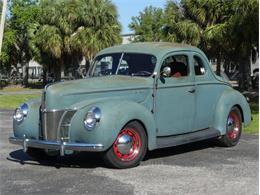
(198, 66)
(178, 65)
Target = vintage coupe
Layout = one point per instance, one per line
(137, 97)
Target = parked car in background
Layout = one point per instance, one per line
(255, 72)
(137, 97)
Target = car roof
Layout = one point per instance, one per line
(155, 48)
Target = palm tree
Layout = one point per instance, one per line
(98, 27)
(70, 29)
(200, 23)
(243, 33)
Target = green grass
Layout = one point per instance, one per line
(12, 101)
(253, 128)
(17, 89)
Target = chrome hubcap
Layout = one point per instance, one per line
(233, 125)
(124, 144)
(127, 145)
(230, 124)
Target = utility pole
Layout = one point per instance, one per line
(2, 25)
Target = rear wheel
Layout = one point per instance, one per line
(129, 147)
(233, 128)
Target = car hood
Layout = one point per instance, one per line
(63, 95)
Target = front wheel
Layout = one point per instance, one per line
(129, 147)
(233, 128)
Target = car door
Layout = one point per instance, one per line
(208, 92)
(175, 97)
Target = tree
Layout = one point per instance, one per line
(244, 35)
(202, 23)
(1, 7)
(224, 30)
(15, 45)
(178, 28)
(70, 29)
(148, 26)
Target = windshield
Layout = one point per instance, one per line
(132, 64)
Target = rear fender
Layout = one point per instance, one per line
(227, 100)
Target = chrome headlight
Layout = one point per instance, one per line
(21, 112)
(92, 118)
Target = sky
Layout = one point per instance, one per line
(128, 8)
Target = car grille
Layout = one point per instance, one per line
(55, 125)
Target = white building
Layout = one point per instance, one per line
(127, 38)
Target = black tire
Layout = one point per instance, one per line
(138, 146)
(231, 138)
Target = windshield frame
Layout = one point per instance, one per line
(94, 63)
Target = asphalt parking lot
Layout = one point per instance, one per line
(198, 168)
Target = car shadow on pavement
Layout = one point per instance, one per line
(94, 160)
(79, 160)
(181, 149)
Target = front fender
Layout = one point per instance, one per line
(114, 116)
(30, 125)
(227, 100)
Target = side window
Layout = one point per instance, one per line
(179, 65)
(198, 66)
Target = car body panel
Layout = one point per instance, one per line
(30, 126)
(164, 106)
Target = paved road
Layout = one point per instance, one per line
(200, 168)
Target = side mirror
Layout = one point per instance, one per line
(166, 72)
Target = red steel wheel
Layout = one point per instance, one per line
(127, 145)
(233, 125)
(233, 128)
(129, 148)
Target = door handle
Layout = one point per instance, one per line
(192, 90)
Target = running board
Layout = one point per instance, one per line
(169, 141)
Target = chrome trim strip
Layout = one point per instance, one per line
(59, 110)
(56, 145)
(189, 84)
(119, 63)
(212, 83)
(175, 85)
(107, 90)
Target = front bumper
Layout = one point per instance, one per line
(55, 145)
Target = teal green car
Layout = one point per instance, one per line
(136, 97)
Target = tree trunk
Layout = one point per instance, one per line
(244, 70)
(62, 70)
(57, 72)
(87, 66)
(218, 70)
(44, 79)
(25, 74)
